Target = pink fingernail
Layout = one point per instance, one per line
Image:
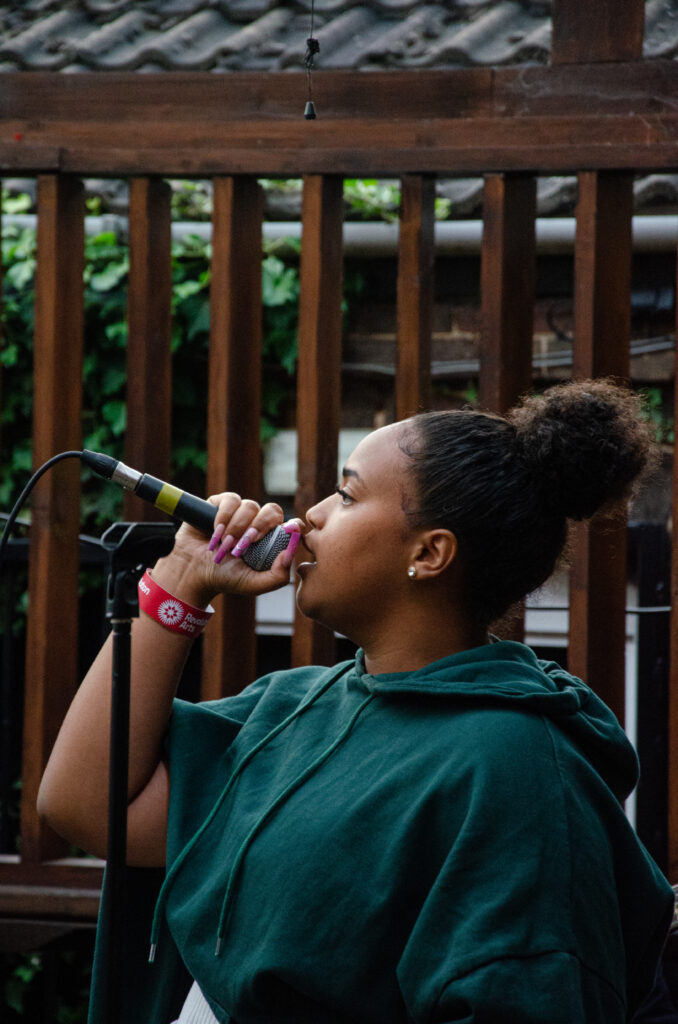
(214, 542)
(291, 527)
(291, 549)
(226, 545)
(244, 542)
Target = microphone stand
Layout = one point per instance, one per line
(130, 547)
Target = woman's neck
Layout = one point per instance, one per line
(415, 644)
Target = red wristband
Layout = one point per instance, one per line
(170, 611)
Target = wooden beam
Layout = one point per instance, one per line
(51, 643)
(45, 901)
(70, 872)
(173, 98)
(165, 102)
(602, 31)
(545, 145)
(234, 408)
(149, 358)
(319, 374)
(507, 289)
(416, 260)
(601, 348)
(563, 118)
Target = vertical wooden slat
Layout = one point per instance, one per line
(149, 365)
(319, 376)
(507, 304)
(51, 646)
(507, 287)
(234, 405)
(602, 31)
(673, 649)
(416, 258)
(1, 307)
(601, 348)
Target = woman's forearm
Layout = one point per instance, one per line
(73, 794)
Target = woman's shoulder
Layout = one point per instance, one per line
(284, 686)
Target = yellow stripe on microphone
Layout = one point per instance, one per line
(168, 499)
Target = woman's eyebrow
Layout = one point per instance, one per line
(346, 471)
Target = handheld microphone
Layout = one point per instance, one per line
(184, 506)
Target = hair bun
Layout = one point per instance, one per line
(585, 444)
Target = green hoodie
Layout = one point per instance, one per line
(446, 845)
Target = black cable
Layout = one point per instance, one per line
(312, 48)
(24, 494)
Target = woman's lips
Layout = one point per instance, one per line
(303, 567)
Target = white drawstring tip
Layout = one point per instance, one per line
(217, 951)
(151, 953)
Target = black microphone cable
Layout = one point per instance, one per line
(18, 504)
(174, 502)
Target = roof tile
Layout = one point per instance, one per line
(267, 34)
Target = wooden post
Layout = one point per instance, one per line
(149, 359)
(602, 31)
(601, 348)
(234, 408)
(416, 258)
(319, 376)
(51, 644)
(673, 655)
(507, 286)
(507, 297)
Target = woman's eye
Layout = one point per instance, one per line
(346, 498)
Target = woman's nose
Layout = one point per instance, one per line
(311, 517)
(315, 516)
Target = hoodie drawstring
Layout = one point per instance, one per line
(171, 874)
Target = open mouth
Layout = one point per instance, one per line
(302, 567)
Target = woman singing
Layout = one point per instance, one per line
(431, 832)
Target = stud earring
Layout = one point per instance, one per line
(412, 572)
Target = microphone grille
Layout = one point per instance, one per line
(262, 554)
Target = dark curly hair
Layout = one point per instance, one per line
(506, 486)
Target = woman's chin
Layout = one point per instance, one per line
(308, 600)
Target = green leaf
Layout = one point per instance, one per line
(110, 276)
(279, 284)
(186, 456)
(117, 331)
(115, 414)
(21, 273)
(9, 355)
(185, 288)
(16, 204)
(113, 380)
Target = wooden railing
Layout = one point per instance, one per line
(602, 121)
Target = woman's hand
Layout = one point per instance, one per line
(198, 569)
(73, 793)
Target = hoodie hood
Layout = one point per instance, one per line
(505, 673)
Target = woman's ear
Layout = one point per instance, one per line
(436, 551)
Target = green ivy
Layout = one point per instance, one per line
(20, 977)
(656, 411)
(104, 377)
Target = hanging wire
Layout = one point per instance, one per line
(312, 48)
